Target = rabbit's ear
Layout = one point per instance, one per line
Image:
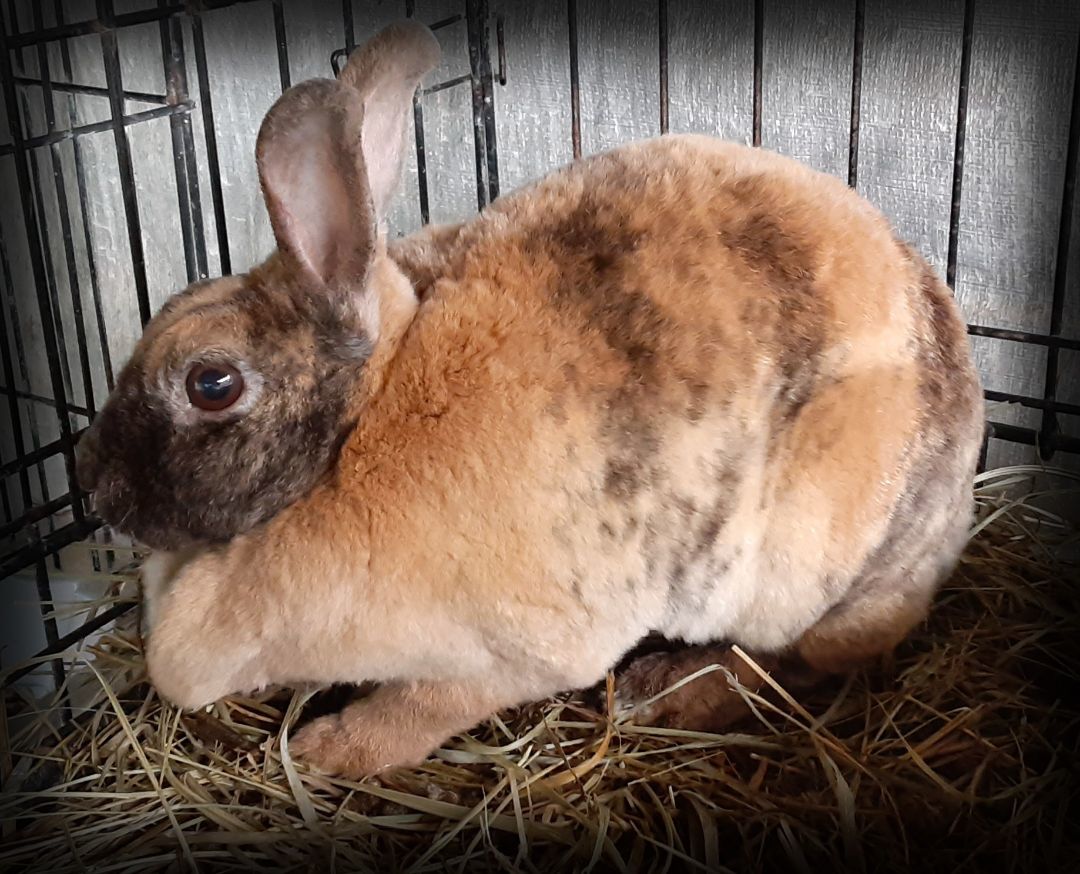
(313, 180)
(384, 73)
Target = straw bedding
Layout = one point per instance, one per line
(957, 754)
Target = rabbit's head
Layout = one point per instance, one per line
(241, 390)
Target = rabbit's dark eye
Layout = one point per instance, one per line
(214, 386)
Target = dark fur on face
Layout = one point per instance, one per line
(173, 476)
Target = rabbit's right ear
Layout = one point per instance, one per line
(384, 73)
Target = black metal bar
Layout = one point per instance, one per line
(1046, 404)
(445, 22)
(172, 52)
(5, 500)
(487, 83)
(95, 287)
(856, 92)
(50, 275)
(111, 58)
(9, 389)
(74, 290)
(475, 18)
(23, 368)
(34, 241)
(1024, 337)
(116, 22)
(213, 164)
(84, 211)
(421, 154)
(36, 514)
(282, 42)
(24, 459)
(202, 270)
(98, 127)
(70, 639)
(347, 25)
(1050, 424)
(48, 621)
(91, 90)
(662, 27)
(48, 545)
(575, 77)
(449, 83)
(759, 53)
(42, 399)
(961, 134)
(1030, 437)
(9, 377)
(500, 39)
(421, 160)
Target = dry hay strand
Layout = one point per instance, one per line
(958, 754)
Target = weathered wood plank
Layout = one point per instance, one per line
(243, 75)
(618, 51)
(711, 68)
(532, 111)
(1021, 78)
(907, 135)
(806, 81)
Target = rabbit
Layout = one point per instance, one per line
(683, 387)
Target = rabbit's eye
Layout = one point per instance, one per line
(214, 386)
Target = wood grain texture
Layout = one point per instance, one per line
(448, 127)
(911, 74)
(806, 84)
(532, 111)
(618, 51)
(711, 68)
(243, 75)
(1021, 80)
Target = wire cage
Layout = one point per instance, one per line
(121, 181)
(60, 307)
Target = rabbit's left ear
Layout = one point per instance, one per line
(313, 180)
(384, 73)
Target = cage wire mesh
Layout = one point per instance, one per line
(127, 173)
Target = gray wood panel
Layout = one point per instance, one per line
(1021, 78)
(448, 128)
(806, 81)
(243, 75)
(532, 111)
(619, 63)
(907, 134)
(711, 68)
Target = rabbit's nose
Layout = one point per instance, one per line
(87, 462)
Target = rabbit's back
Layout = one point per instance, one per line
(689, 386)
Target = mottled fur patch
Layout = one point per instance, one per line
(792, 304)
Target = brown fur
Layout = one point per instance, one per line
(685, 386)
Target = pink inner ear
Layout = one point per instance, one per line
(315, 193)
(384, 134)
(317, 207)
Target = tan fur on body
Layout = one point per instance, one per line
(685, 386)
